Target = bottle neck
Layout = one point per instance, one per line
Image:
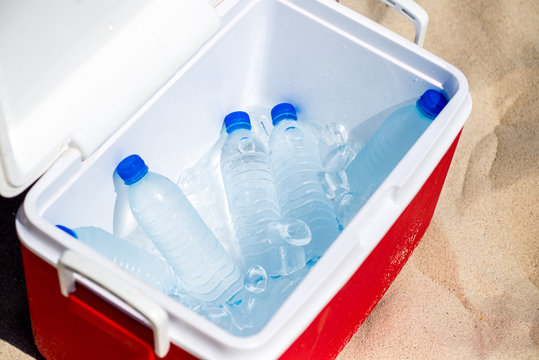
(284, 120)
(141, 177)
(236, 127)
(427, 117)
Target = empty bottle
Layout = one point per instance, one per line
(297, 170)
(387, 147)
(335, 151)
(203, 266)
(150, 268)
(252, 197)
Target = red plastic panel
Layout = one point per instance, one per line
(333, 328)
(84, 326)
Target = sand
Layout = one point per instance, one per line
(470, 289)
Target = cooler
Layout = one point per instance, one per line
(85, 84)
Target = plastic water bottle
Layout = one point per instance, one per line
(335, 151)
(387, 147)
(124, 224)
(203, 266)
(252, 197)
(123, 221)
(201, 184)
(297, 170)
(150, 268)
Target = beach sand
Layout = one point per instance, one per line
(470, 289)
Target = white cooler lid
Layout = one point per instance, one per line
(72, 71)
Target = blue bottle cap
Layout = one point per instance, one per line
(237, 120)
(283, 111)
(68, 230)
(131, 169)
(431, 103)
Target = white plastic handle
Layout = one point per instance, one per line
(413, 12)
(72, 262)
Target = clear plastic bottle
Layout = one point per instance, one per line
(150, 268)
(297, 170)
(124, 225)
(252, 197)
(123, 221)
(203, 266)
(387, 147)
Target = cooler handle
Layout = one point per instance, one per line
(413, 12)
(71, 263)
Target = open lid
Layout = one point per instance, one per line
(72, 71)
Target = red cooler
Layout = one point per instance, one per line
(85, 84)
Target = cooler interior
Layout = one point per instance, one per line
(272, 53)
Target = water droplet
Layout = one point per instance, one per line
(111, 26)
(256, 279)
